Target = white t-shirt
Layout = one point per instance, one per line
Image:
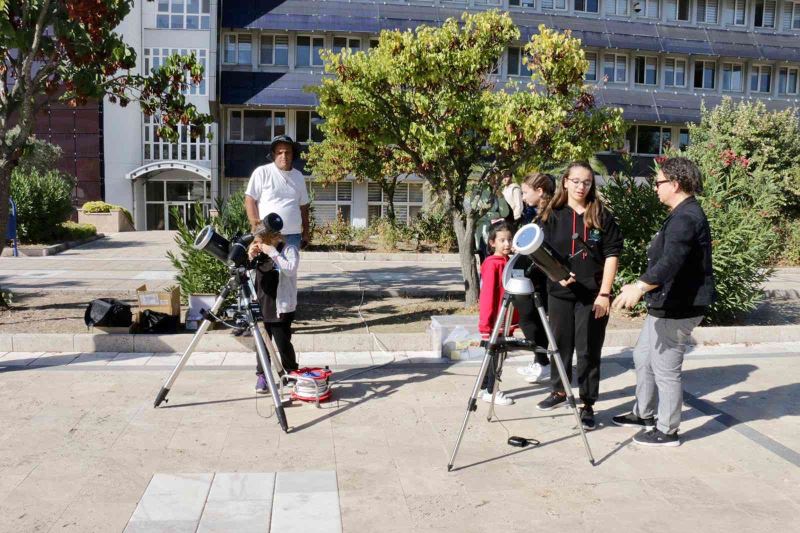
(281, 192)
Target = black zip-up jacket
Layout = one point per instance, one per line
(588, 267)
(679, 262)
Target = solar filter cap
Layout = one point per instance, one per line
(273, 222)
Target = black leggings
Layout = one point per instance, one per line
(281, 333)
(577, 330)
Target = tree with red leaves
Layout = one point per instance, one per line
(48, 46)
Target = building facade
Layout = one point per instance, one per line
(151, 177)
(658, 60)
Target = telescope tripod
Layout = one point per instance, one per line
(496, 349)
(239, 281)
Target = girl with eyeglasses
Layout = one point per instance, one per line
(579, 306)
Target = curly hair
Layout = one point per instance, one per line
(684, 172)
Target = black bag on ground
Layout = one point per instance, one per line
(155, 322)
(108, 313)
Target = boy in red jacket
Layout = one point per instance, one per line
(490, 298)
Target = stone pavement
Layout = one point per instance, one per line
(124, 261)
(82, 449)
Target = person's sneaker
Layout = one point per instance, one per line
(535, 373)
(499, 398)
(630, 420)
(587, 418)
(261, 385)
(553, 400)
(654, 437)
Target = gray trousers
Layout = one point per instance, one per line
(658, 358)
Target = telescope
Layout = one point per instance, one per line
(529, 240)
(233, 253)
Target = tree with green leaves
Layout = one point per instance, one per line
(430, 95)
(338, 156)
(69, 48)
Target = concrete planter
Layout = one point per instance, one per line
(112, 222)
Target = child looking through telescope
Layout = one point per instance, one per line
(276, 291)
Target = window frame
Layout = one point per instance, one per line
(794, 16)
(616, 57)
(763, 11)
(757, 69)
(311, 58)
(520, 65)
(742, 71)
(705, 12)
(336, 202)
(634, 149)
(195, 89)
(675, 61)
(645, 58)
(408, 204)
(347, 40)
(203, 15)
(694, 75)
(585, 4)
(151, 144)
(523, 4)
(274, 37)
(782, 89)
(311, 117)
(555, 7)
(237, 50)
(744, 13)
(241, 111)
(595, 55)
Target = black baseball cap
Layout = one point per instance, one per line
(283, 139)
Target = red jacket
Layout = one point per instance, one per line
(491, 294)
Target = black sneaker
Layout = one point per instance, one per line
(630, 420)
(654, 437)
(552, 401)
(587, 418)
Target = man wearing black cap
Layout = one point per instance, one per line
(278, 188)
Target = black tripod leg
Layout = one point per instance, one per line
(556, 359)
(261, 352)
(162, 394)
(487, 360)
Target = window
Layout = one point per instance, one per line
(788, 80)
(340, 43)
(733, 12)
(587, 6)
(649, 9)
(705, 73)
(331, 200)
(373, 43)
(554, 4)
(615, 68)
(183, 14)
(307, 127)
(522, 3)
(274, 50)
(761, 79)
(251, 125)
(407, 202)
(683, 139)
(764, 13)
(675, 72)
(793, 15)
(155, 57)
(616, 7)
(308, 49)
(645, 70)
(678, 9)
(238, 49)
(515, 62)
(732, 77)
(707, 11)
(186, 149)
(648, 140)
(591, 72)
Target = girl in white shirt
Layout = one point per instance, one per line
(276, 290)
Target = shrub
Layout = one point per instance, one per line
(74, 231)
(338, 234)
(99, 206)
(790, 237)
(199, 272)
(639, 214)
(435, 225)
(43, 199)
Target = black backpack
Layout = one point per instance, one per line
(108, 313)
(155, 322)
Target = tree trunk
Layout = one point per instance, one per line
(464, 227)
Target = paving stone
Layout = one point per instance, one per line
(19, 359)
(252, 516)
(130, 359)
(54, 359)
(303, 512)
(242, 486)
(93, 358)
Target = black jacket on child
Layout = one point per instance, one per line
(562, 223)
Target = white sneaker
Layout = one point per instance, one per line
(536, 373)
(499, 398)
(530, 369)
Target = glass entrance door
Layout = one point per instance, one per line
(163, 196)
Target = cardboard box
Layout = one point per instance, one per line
(167, 301)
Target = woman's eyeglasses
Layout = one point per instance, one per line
(576, 182)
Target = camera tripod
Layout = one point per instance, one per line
(496, 350)
(248, 309)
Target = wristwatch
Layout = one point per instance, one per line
(641, 285)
